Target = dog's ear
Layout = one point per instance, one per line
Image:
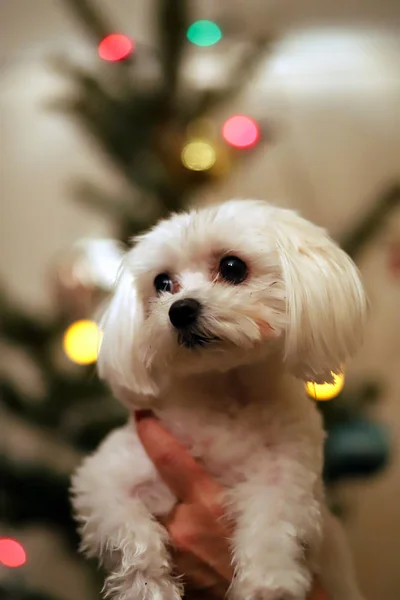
(121, 362)
(325, 300)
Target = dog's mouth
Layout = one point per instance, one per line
(192, 339)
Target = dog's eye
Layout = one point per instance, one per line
(233, 270)
(163, 283)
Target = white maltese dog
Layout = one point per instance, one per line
(218, 318)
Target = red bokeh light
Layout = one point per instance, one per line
(115, 47)
(241, 131)
(12, 553)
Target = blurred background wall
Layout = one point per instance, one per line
(328, 90)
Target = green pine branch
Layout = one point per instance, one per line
(213, 100)
(33, 493)
(355, 240)
(14, 591)
(173, 23)
(92, 18)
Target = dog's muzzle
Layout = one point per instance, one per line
(184, 316)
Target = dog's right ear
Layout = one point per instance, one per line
(121, 362)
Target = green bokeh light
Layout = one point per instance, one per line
(204, 33)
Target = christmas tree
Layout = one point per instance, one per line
(155, 131)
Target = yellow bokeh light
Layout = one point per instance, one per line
(198, 155)
(325, 391)
(82, 342)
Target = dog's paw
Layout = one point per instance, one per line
(283, 585)
(143, 588)
(166, 590)
(272, 595)
(264, 594)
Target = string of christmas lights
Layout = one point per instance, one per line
(238, 131)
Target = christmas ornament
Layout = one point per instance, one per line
(82, 342)
(325, 391)
(85, 274)
(115, 47)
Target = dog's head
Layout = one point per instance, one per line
(222, 286)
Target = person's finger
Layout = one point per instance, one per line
(191, 532)
(186, 479)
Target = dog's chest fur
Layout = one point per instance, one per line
(229, 422)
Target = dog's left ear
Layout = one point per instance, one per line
(325, 299)
(121, 360)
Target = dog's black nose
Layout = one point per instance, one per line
(183, 313)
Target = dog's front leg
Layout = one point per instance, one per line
(278, 517)
(115, 492)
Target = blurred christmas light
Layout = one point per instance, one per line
(198, 155)
(204, 33)
(12, 554)
(115, 47)
(240, 131)
(82, 342)
(325, 391)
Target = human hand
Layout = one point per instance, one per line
(197, 526)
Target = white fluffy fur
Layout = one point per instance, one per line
(237, 404)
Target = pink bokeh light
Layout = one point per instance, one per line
(241, 131)
(12, 553)
(115, 47)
